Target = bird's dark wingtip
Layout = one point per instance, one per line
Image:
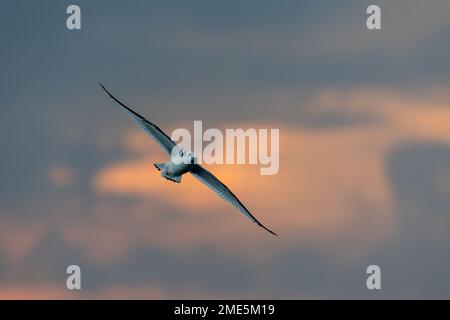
(101, 85)
(268, 230)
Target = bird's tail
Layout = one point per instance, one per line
(176, 179)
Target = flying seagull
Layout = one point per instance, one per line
(173, 170)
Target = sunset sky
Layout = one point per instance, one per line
(364, 119)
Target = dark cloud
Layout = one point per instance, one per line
(418, 259)
(178, 61)
(419, 173)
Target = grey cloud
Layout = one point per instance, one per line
(176, 61)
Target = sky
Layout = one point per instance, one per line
(364, 177)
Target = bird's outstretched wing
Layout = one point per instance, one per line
(222, 190)
(151, 129)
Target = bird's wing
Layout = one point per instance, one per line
(222, 190)
(151, 129)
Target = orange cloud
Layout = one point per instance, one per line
(38, 292)
(111, 292)
(332, 186)
(312, 198)
(332, 189)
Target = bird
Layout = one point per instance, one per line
(182, 162)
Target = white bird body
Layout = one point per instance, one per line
(182, 162)
(173, 171)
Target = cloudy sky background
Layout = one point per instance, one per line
(364, 120)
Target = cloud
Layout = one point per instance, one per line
(39, 292)
(363, 118)
(321, 202)
(335, 198)
(52, 291)
(18, 239)
(61, 176)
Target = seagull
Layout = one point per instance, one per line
(182, 162)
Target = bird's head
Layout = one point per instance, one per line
(192, 158)
(185, 157)
(188, 157)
